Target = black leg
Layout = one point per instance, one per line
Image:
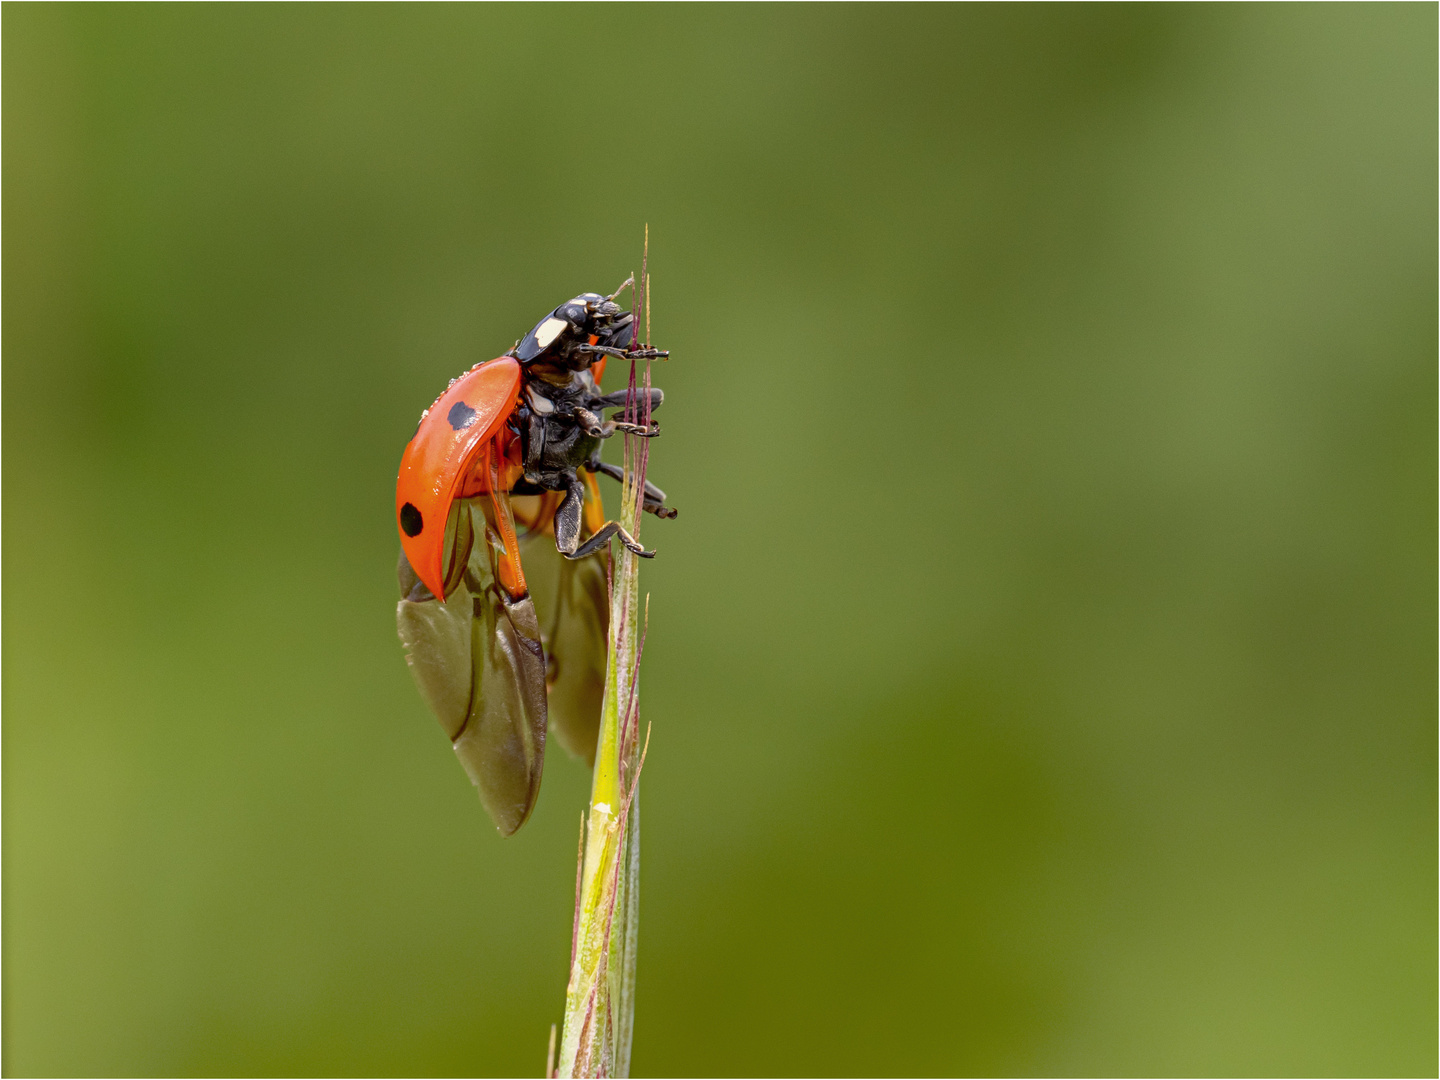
(567, 517)
(618, 399)
(603, 429)
(567, 528)
(623, 354)
(654, 497)
(601, 538)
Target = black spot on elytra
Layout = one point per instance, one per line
(461, 416)
(410, 520)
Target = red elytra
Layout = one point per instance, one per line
(439, 462)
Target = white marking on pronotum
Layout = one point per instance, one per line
(548, 331)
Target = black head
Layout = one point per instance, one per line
(575, 323)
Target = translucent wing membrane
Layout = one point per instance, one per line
(478, 661)
(498, 671)
(573, 606)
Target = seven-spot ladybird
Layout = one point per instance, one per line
(504, 463)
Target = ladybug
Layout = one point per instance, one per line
(503, 469)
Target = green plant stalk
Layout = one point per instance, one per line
(599, 1001)
(600, 997)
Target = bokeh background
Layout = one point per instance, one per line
(1042, 667)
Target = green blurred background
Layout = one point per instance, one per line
(1042, 667)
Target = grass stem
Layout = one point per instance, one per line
(600, 998)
